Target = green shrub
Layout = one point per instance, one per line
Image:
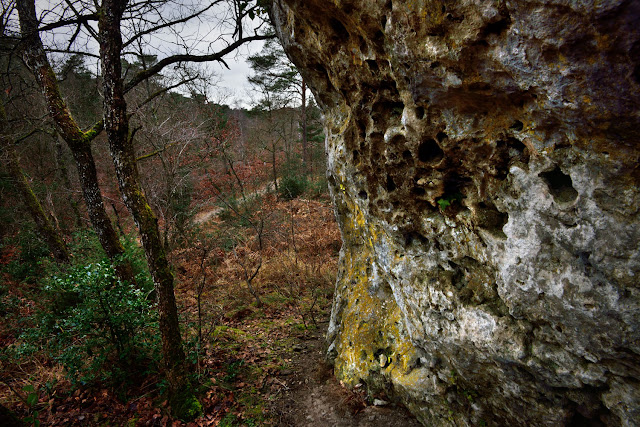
(237, 212)
(319, 187)
(292, 186)
(98, 328)
(33, 254)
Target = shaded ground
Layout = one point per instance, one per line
(313, 397)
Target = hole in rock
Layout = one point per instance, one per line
(363, 194)
(441, 136)
(457, 19)
(382, 356)
(339, 29)
(434, 64)
(430, 151)
(418, 191)
(391, 186)
(491, 219)
(356, 155)
(498, 27)
(406, 154)
(517, 125)
(582, 417)
(373, 65)
(522, 152)
(363, 45)
(378, 38)
(412, 237)
(516, 144)
(584, 258)
(420, 113)
(384, 108)
(392, 88)
(560, 186)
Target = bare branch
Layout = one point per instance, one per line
(73, 52)
(85, 23)
(80, 19)
(174, 59)
(167, 24)
(161, 91)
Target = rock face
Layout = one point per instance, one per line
(483, 159)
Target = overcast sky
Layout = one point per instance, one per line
(229, 86)
(235, 78)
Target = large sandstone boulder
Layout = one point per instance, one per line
(483, 160)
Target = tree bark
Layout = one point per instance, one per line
(64, 174)
(117, 129)
(307, 166)
(44, 226)
(79, 142)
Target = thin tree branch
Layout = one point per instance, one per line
(79, 19)
(85, 23)
(156, 152)
(75, 52)
(161, 91)
(218, 56)
(167, 24)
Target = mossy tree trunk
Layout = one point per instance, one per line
(79, 142)
(116, 124)
(45, 228)
(64, 175)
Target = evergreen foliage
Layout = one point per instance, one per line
(100, 329)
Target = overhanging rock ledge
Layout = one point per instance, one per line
(483, 160)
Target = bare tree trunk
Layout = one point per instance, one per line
(45, 228)
(78, 141)
(117, 128)
(274, 171)
(306, 164)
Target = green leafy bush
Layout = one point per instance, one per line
(33, 253)
(292, 186)
(98, 328)
(318, 188)
(238, 211)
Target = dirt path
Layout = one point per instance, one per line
(313, 397)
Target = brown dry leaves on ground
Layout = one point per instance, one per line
(256, 364)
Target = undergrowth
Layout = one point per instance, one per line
(78, 334)
(102, 331)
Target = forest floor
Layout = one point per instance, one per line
(259, 363)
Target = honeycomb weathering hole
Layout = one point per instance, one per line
(560, 186)
(430, 151)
